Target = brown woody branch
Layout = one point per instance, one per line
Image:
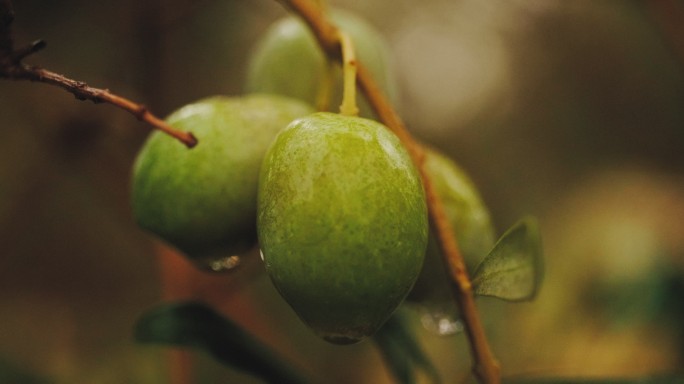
(12, 68)
(485, 366)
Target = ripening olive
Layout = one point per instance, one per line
(203, 201)
(342, 223)
(288, 61)
(469, 218)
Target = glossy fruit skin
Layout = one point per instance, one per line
(342, 223)
(288, 61)
(203, 200)
(469, 218)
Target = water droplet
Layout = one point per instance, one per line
(225, 263)
(219, 264)
(440, 322)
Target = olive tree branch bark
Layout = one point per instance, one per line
(485, 365)
(12, 68)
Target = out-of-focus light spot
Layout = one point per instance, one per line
(454, 69)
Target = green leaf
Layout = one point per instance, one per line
(402, 352)
(396, 359)
(196, 325)
(513, 268)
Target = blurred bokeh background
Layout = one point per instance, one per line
(572, 111)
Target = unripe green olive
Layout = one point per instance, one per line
(342, 223)
(464, 207)
(288, 61)
(469, 218)
(203, 201)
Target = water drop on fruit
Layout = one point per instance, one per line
(441, 322)
(225, 263)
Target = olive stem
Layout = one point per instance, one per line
(12, 68)
(348, 107)
(485, 366)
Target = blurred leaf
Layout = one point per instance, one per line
(513, 269)
(396, 359)
(642, 380)
(196, 325)
(10, 373)
(401, 351)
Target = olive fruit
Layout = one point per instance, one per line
(288, 61)
(342, 223)
(470, 220)
(203, 201)
(467, 213)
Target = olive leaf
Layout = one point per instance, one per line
(513, 268)
(396, 359)
(196, 325)
(402, 352)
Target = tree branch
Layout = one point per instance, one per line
(485, 366)
(12, 68)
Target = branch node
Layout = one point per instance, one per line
(140, 112)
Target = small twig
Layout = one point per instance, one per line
(12, 68)
(485, 366)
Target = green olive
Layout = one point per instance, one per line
(288, 61)
(342, 223)
(469, 218)
(203, 201)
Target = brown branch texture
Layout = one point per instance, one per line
(13, 68)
